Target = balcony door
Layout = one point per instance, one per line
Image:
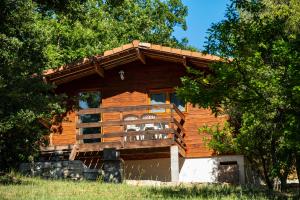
(90, 99)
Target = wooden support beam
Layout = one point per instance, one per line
(73, 153)
(99, 70)
(57, 148)
(165, 149)
(65, 79)
(167, 57)
(140, 56)
(142, 144)
(148, 144)
(68, 73)
(98, 146)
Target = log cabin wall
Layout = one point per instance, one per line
(134, 90)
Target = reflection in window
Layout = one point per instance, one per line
(90, 100)
(166, 97)
(158, 98)
(177, 101)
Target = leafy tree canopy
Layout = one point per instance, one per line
(89, 28)
(257, 84)
(41, 34)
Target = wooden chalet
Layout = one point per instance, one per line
(127, 101)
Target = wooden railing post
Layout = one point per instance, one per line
(78, 132)
(172, 119)
(122, 127)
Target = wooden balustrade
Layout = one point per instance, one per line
(173, 117)
(125, 109)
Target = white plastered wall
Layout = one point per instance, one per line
(205, 169)
(191, 169)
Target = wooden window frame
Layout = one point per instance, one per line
(101, 116)
(167, 92)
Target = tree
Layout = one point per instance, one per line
(91, 27)
(24, 97)
(46, 34)
(257, 84)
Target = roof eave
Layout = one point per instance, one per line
(125, 54)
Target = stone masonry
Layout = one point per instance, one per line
(74, 170)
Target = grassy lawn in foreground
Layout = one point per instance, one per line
(35, 188)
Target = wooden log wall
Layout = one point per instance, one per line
(134, 90)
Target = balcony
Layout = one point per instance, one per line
(141, 129)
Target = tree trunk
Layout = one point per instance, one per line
(287, 170)
(283, 182)
(269, 182)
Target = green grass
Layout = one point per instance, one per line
(35, 188)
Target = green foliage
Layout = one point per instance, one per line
(37, 35)
(257, 84)
(223, 138)
(24, 97)
(89, 28)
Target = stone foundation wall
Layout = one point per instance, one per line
(74, 170)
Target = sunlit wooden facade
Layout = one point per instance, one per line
(135, 79)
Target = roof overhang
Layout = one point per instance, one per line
(125, 54)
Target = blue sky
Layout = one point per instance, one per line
(201, 14)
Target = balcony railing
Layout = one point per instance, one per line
(169, 132)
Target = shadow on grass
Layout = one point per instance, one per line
(219, 192)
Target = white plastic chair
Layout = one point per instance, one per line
(131, 127)
(164, 135)
(151, 126)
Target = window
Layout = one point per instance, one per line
(177, 101)
(165, 97)
(158, 98)
(90, 100)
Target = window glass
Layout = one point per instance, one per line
(177, 101)
(90, 100)
(158, 98)
(90, 118)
